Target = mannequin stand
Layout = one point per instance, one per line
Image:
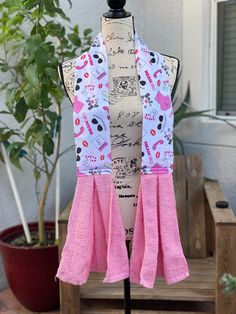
(117, 12)
(127, 299)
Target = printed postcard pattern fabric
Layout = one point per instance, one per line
(91, 110)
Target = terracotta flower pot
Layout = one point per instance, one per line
(30, 271)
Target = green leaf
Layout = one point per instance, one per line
(39, 29)
(1, 157)
(57, 93)
(4, 66)
(74, 39)
(52, 116)
(12, 3)
(32, 95)
(48, 144)
(54, 29)
(32, 74)
(10, 98)
(14, 150)
(15, 20)
(58, 124)
(52, 73)
(32, 88)
(50, 8)
(25, 122)
(45, 100)
(35, 132)
(41, 59)
(76, 29)
(5, 112)
(30, 4)
(5, 136)
(33, 43)
(62, 14)
(87, 31)
(20, 110)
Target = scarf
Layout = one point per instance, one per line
(95, 235)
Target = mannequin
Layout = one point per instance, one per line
(125, 107)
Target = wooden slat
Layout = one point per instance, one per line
(179, 176)
(225, 263)
(214, 193)
(195, 207)
(200, 286)
(65, 214)
(164, 294)
(91, 306)
(210, 230)
(137, 312)
(69, 294)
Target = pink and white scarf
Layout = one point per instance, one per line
(95, 236)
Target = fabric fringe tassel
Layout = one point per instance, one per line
(95, 234)
(96, 239)
(156, 245)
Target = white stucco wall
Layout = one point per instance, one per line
(160, 25)
(214, 140)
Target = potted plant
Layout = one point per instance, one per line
(33, 42)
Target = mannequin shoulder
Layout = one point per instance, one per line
(171, 65)
(66, 72)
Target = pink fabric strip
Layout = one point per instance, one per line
(117, 255)
(174, 263)
(156, 249)
(77, 252)
(149, 264)
(95, 234)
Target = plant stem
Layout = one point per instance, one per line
(41, 211)
(37, 26)
(47, 185)
(43, 153)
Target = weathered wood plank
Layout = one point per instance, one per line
(214, 193)
(195, 207)
(210, 230)
(179, 179)
(225, 263)
(69, 294)
(118, 311)
(199, 286)
(162, 294)
(65, 214)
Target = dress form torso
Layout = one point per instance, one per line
(125, 113)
